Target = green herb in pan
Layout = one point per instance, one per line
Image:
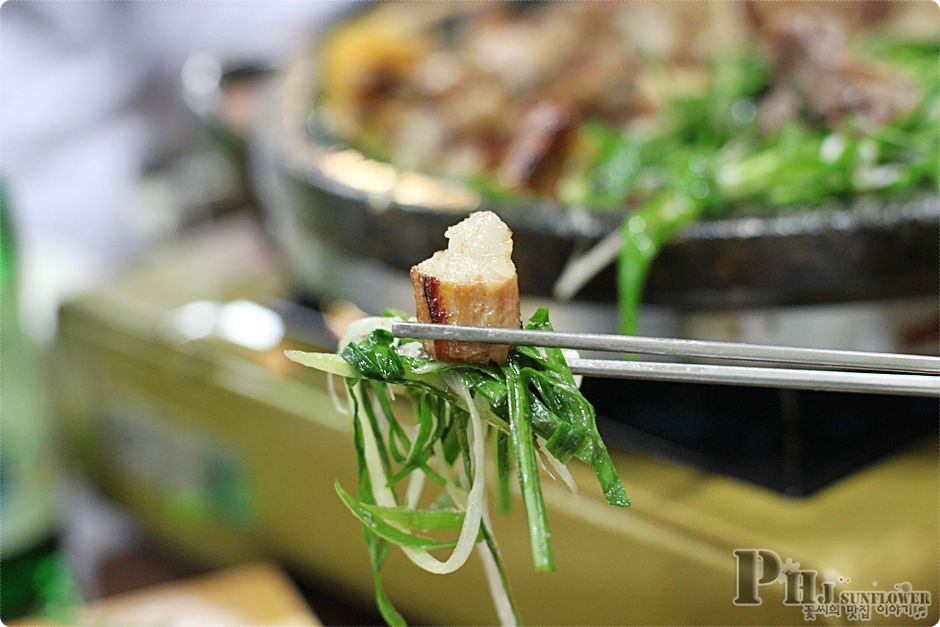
(706, 156)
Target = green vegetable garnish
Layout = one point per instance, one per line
(705, 155)
(531, 404)
(708, 156)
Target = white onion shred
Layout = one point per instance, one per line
(337, 404)
(382, 492)
(569, 354)
(560, 468)
(413, 349)
(539, 454)
(349, 399)
(580, 270)
(380, 418)
(475, 499)
(363, 327)
(497, 590)
(413, 493)
(447, 471)
(474, 512)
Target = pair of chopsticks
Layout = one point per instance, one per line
(862, 372)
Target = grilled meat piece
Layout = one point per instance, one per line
(815, 70)
(473, 282)
(535, 156)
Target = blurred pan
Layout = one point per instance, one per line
(869, 250)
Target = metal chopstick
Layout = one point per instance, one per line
(859, 360)
(822, 380)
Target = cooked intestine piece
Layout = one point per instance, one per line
(472, 283)
(816, 71)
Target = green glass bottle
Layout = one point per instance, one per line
(33, 575)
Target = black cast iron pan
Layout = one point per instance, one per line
(870, 249)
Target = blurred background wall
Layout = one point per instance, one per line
(92, 99)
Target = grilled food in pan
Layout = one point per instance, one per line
(747, 155)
